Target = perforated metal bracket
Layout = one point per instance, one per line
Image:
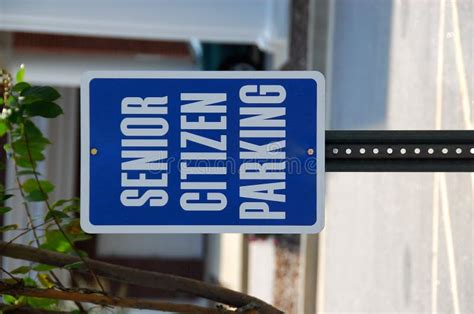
(400, 151)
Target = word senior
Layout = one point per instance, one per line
(144, 152)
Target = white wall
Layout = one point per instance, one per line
(225, 260)
(261, 276)
(157, 245)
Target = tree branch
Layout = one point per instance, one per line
(100, 299)
(23, 309)
(139, 277)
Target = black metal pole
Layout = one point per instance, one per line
(400, 151)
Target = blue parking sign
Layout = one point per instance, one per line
(202, 152)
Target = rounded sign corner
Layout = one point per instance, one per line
(87, 226)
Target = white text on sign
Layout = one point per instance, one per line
(203, 124)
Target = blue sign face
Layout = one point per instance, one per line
(202, 152)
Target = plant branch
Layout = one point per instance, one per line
(138, 277)
(25, 204)
(9, 274)
(100, 299)
(25, 231)
(30, 218)
(55, 219)
(30, 222)
(23, 309)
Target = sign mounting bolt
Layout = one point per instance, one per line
(310, 151)
(94, 151)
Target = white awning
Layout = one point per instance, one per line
(264, 23)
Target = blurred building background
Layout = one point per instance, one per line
(392, 242)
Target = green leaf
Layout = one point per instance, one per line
(11, 101)
(25, 163)
(28, 282)
(34, 149)
(36, 196)
(4, 210)
(45, 280)
(55, 241)
(8, 228)
(15, 116)
(9, 299)
(43, 267)
(3, 127)
(2, 102)
(11, 281)
(8, 148)
(71, 208)
(4, 197)
(80, 253)
(42, 303)
(73, 266)
(55, 213)
(28, 134)
(20, 74)
(27, 173)
(64, 201)
(80, 237)
(21, 270)
(32, 185)
(37, 190)
(44, 109)
(36, 93)
(21, 87)
(33, 132)
(59, 203)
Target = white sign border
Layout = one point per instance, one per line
(88, 227)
